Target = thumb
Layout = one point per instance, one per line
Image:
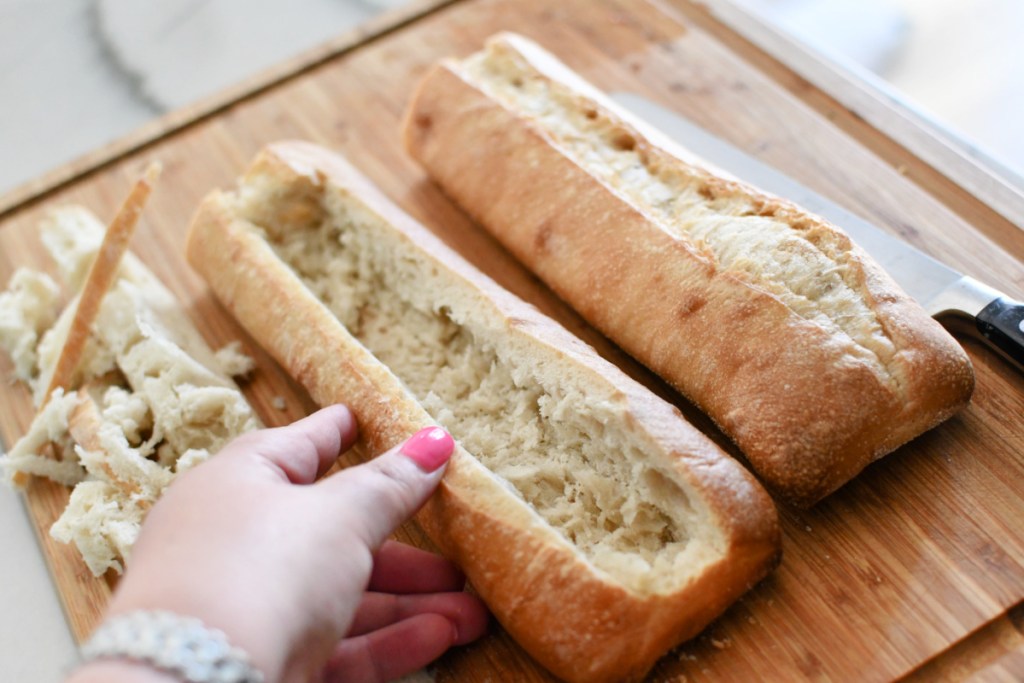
(378, 496)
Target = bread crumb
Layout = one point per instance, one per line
(72, 236)
(751, 620)
(232, 361)
(807, 528)
(191, 458)
(279, 403)
(902, 169)
(27, 308)
(721, 644)
(102, 524)
(129, 412)
(50, 425)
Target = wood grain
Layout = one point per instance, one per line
(993, 653)
(921, 551)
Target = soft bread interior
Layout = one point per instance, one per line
(806, 269)
(561, 445)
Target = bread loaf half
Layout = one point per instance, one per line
(770, 319)
(597, 524)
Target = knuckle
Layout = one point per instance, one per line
(392, 495)
(398, 491)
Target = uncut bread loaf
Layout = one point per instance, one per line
(598, 525)
(770, 319)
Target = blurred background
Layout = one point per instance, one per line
(957, 62)
(76, 74)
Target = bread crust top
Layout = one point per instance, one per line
(634, 232)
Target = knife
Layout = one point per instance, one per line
(946, 294)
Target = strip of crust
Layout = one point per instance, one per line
(650, 247)
(578, 620)
(102, 275)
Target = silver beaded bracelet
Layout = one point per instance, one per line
(182, 646)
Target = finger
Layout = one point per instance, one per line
(391, 652)
(401, 568)
(465, 612)
(305, 449)
(381, 494)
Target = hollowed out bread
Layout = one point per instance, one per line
(788, 335)
(598, 525)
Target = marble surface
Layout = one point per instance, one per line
(76, 74)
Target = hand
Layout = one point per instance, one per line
(300, 574)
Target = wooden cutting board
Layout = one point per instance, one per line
(914, 569)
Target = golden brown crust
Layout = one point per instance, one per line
(807, 414)
(102, 274)
(574, 619)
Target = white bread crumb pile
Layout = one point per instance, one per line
(153, 400)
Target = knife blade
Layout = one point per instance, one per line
(945, 293)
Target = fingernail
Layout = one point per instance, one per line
(429, 448)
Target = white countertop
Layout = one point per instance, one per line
(35, 643)
(76, 74)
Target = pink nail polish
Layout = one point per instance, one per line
(429, 448)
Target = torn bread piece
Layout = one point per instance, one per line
(789, 336)
(598, 525)
(28, 308)
(154, 400)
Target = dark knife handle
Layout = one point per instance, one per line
(1001, 323)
